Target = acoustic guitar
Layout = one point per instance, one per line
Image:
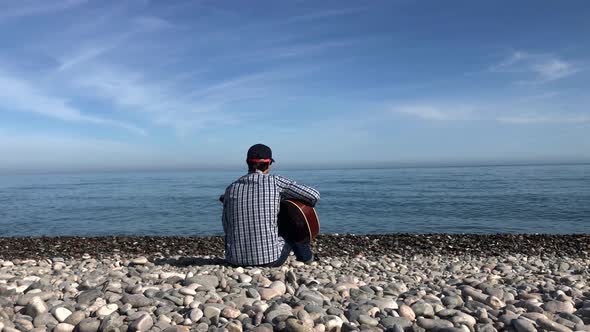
(298, 222)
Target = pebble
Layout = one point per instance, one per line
(107, 309)
(558, 306)
(139, 261)
(88, 297)
(136, 300)
(295, 325)
(75, 318)
(61, 314)
(211, 312)
(23, 324)
(44, 320)
(88, 325)
(523, 325)
(368, 320)
(268, 293)
(430, 324)
(473, 293)
(391, 322)
(452, 301)
(253, 293)
(207, 281)
(494, 302)
(463, 318)
(552, 326)
(423, 309)
(244, 278)
(196, 314)
(234, 326)
(406, 312)
(423, 291)
(187, 291)
(63, 327)
(143, 323)
(333, 323)
(336, 263)
(279, 287)
(230, 313)
(385, 303)
(7, 264)
(280, 310)
(10, 329)
(36, 306)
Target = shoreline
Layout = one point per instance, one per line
(364, 283)
(328, 245)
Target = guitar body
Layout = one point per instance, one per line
(297, 221)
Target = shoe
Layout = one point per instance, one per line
(311, 260)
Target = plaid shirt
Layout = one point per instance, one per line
(250, 209)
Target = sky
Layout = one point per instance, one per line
(192, 84)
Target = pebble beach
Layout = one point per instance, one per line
(402, 282)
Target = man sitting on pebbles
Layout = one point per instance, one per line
(250, 209)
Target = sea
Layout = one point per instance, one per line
(485, 199)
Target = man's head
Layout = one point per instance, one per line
(259, 158)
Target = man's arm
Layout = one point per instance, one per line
(292, 190)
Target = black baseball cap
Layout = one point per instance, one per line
(260, 153)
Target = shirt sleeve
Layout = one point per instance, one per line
(289, 189)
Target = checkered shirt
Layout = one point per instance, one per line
(250, 209)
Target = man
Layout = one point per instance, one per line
(250, 208)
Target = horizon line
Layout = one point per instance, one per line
(133, 169)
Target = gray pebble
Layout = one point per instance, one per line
(367, 320)
(88, 325)
(523, 325)
(143, 323)
(87, 297)
(423, 309)
(136, 300)
(429, 324)
(207, 281)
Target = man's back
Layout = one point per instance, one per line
(250, 209)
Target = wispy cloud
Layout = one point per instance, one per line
(507, 63)
(291, 51)
(97, 66)
(92, 49)
(84, 55)
(17, 94)
(167, 104)
(16, 9)
(541, 68)
(554, 69)
(511, 111)
(433, 112)
(539, 119)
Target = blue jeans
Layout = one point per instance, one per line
(302, 253)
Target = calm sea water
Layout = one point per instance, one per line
(508, 199)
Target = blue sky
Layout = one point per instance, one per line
(165, 84)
